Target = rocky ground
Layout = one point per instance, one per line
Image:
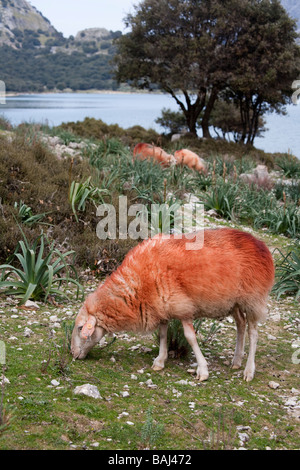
(113, 391)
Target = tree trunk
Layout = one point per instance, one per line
(191, 110)
(207, 113)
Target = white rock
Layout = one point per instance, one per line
(243, 436)
(30, 303)
(4, 380)
(53, 319)
(124, 394)
(292, 401)
(182, 382)
(130, 423)
(124, 413)
(55, 383)
(273, 385)
(88, 390)
(27, 332)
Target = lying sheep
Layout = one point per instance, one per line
(150, 152)
(160, 280)
(190, 159)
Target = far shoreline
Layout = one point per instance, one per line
(12, 94)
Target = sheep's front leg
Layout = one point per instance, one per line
(189, 333)
(159, 362)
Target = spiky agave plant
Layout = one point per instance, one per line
(288, 274)
(37, 275)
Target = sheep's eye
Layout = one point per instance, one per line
(80, 328)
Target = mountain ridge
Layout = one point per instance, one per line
(34, 56)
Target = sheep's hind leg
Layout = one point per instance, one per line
(253, 337)
(189, 332)
(159, 362)
(240, 320)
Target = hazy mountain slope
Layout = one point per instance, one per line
(17, 18)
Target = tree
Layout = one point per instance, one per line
(195, 49)
(267, 60)
(171, 44)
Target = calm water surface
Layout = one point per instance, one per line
(129, 109)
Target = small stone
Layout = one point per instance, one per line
(243, 436)
(273, 385)
(130, 423)
(27, 332)
(88, 390)
(4, 380)
(95, 444)
(124, 394)
(30, 303)
(55, 383)
(53, 319)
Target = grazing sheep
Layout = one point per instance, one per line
(148, 152)
(190, 159)
(160, 280)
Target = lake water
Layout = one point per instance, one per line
(129, 109)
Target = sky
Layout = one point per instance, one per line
(71, 16)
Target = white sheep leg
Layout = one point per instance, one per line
(159, 362)
(189, 332)
(253, 337)
(240, 320)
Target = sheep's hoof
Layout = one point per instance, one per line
(202, 377)
(236, 366)
(157, 368)
(248, 375)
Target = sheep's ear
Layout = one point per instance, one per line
(89, 327)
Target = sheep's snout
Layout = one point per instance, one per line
(82, 343)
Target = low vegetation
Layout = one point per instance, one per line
(44, 198)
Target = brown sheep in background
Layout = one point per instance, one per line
(150, 152)
(190, 159)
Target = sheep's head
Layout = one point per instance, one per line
(86, 334)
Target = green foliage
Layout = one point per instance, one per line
(223, 198)
(38, 276)
(151, 431)
(34, 69)
(81, 193)
(97, 129)
(289, 166)
(288, 274)
(283, 220)
(196, 47)
(174, 122)
(26, 216)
